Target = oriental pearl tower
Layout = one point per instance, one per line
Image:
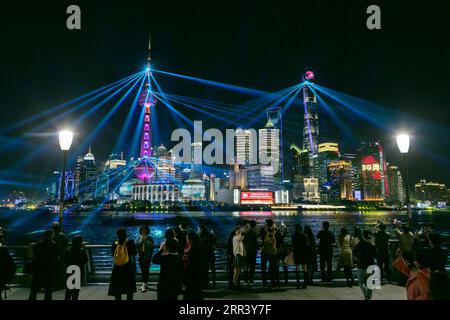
(146, 169)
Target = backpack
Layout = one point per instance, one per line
(121, 254)
(270, 244)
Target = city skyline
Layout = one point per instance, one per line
(423, 142)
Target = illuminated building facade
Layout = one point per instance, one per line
(88, 177)
(395, 183)
(340, 181)
(158, 191)
(328, 152)
(260, 177)
(373, 167)
(430, 191)
(246, 146)
(311, 190)
(300, 170)
(269, 149)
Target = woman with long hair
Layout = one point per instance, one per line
(346, 255)
(312, 254)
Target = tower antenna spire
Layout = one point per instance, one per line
(149, 58)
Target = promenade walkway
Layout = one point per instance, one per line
(316, 292)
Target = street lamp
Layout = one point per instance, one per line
(65, 141)
(403, 146)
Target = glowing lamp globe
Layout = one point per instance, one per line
(144, 171)
(147, 99)
(403, 143)
(65, 139)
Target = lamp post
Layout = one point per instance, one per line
(403, 146)
(65, 141)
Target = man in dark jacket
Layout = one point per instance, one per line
(45, 255)
(325, 251)
(436, 256)
(207, 243)
(382, 245)
(366, 253)
(251, 248)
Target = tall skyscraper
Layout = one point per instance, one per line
(310, 123)
(300, 170)
(246, 146)
(269, 149)
(88, 177)
(328, 152)
(373, 177)
(395, 182)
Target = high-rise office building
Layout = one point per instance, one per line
(311, 191)
(430, 191)
(260, 177)
(373, 177)
(88, 177)
(328, 152)
(395, 183)
(246, 146)
(269, 149)
(300, 170)
(355, 173)
(310, 123)
(340, 181)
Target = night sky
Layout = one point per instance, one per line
(404, 67)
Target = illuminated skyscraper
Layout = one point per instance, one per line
(373, 168)
(300, 170)
(395, 182)
(88, 177)
(246, 146)
(328, 152)
(310, 124)
(270, 148)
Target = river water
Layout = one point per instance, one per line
(100, 228)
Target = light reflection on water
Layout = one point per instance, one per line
(26, 226)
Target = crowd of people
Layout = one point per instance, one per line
(187, 259)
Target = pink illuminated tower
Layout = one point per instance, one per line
(145, 170)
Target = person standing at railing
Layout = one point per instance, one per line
(145, 245)
(346, 255)
(251, 249)
(60, 268)
(192, 261)
(418, 284)
(366, 253)
(76, 256)
(312, 254)
(239, 256)
(123, 276)
(45, 254)
(300, 245)
(325, 250)
(270, 237)
(170, 271)
(383, 256)
(436, 255)
(406, 243)
(207, 243)
(7, 264)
